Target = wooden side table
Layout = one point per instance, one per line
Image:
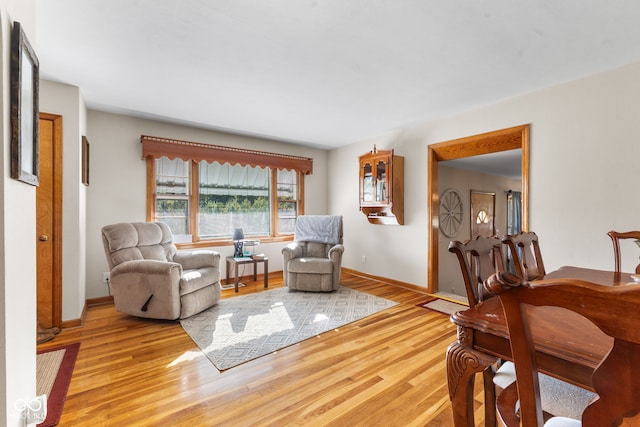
(236, 262)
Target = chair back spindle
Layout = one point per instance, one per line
(616, 236)
(527, 256)
(479, 258)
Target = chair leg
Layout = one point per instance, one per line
(489, 397)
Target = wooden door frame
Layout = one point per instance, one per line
(492, 142)
(57, 216)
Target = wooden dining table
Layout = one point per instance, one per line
(568, 346)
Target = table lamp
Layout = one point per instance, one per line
(238, 235)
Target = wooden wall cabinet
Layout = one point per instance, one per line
(382, 187)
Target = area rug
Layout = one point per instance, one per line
(443, 306)
(243, 328)
(53, 374)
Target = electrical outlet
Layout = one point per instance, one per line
(364, 259)
(106, 277)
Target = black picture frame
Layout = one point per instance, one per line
(25, 162)
(85, 160)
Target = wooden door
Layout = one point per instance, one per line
(49, 223)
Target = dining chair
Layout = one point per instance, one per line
(479, 258)
(615, 238)
(524, 248)
(616, 379)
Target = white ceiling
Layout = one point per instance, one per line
(324, 73)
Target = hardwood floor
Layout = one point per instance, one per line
(387, 369)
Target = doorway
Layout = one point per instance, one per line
(491, 142)
(49, 223)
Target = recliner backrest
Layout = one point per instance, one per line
(137, 241)
(315, 249)
(319, 232)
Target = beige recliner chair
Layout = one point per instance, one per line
(150, 278)
(312, 262)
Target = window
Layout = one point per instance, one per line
(232, 196)
(203, 199)
(172, 194)
(287, 185)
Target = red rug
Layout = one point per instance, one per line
(58, 395)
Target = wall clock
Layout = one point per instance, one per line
(450, 212)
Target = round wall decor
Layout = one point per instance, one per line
(451, 211)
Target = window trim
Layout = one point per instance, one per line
(156, 147)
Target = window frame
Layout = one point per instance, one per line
(247, 158)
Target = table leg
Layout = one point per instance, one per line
(255, 270)
(463, 363)
(236, 279)
(266, 273)
(228, 268)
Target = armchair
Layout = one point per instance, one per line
(312, 262)
(150, 278)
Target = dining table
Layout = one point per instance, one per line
(568, 346)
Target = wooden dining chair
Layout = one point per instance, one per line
(524, 248)
(616, 379)
(615, 238)
(479, 258)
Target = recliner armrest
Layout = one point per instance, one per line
(145, 266)
(336, 251)
(292, 250)
(197, 259)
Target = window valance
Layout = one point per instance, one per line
(156, 147)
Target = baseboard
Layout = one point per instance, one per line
(78, 323)
(99, 301)
(387, 280)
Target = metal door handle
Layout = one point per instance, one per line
(44, 238)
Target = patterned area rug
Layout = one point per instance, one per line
(243, 328)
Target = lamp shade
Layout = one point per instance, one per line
(237, 234)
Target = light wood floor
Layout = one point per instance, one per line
(387, 369)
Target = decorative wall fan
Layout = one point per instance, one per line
(451, 211)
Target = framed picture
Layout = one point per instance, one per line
(85, 160)
(483, 206)
(24, 109)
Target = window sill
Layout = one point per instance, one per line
(215, 243)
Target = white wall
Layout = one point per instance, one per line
(17, 245)
(66, 101)
(118, 181)
(583, 176)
